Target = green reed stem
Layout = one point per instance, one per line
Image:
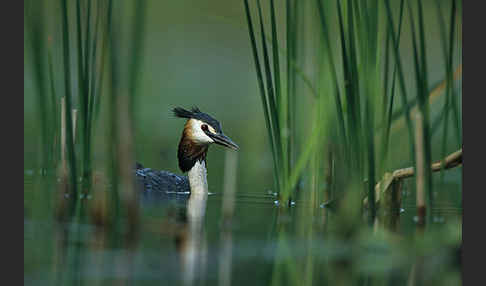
(330, 57)
(83, 92)
(138, 33)
(274, 114)
(401, 80)
(389, 111)
(425, 111)
(291, 33)
(448, 50)
(35, 23)
(263, 97)
(69, 120)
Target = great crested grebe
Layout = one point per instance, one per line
(200, 131)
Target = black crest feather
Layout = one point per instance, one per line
(182, 113)
(197, 114)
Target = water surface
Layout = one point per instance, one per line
(182, 243)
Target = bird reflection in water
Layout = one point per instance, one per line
(191, 243)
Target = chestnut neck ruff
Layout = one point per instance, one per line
(190, 152)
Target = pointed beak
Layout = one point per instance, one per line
(224, 140)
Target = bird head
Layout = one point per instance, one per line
(200, 131)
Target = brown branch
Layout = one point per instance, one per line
(450, 161)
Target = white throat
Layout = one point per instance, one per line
(197, 177)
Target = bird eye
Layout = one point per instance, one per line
(204, 127)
